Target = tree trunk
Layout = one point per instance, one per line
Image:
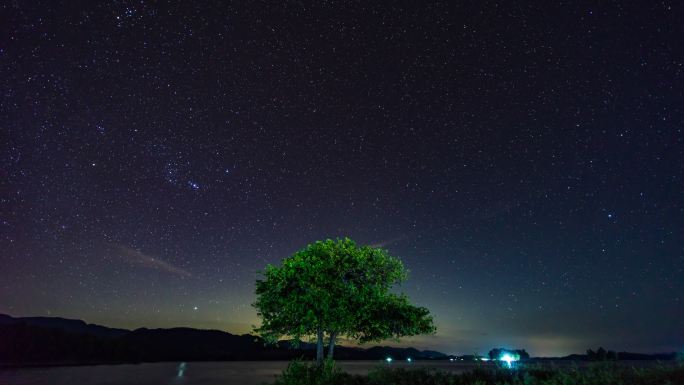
(331, 346)
(319, 347)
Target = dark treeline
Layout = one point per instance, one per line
(602, 354)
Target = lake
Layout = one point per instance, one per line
(214, 373)
(189, 373)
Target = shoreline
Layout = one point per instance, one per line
(475, 364)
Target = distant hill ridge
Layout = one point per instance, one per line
(54, 340)
(65, 324)
(58, 341)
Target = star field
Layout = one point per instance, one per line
(525, 161)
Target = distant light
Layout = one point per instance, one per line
(451, 359)
(388, 359)
(408, 359)
(507, 358)
(484, 359)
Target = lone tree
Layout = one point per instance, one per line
(333, 289)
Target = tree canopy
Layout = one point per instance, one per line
(336, 288)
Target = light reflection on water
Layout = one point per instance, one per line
(181, 369)
(186, 373)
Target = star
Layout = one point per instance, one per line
(222, 162)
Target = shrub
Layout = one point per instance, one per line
(299, 372)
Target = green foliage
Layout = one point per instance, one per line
(339, 288)
(596, 374)
(303, 373)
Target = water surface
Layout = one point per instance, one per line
(188, 373)
(217, 373)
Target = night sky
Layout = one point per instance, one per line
(526, 162)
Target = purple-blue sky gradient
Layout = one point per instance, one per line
(524, 161)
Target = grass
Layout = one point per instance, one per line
(303, 373)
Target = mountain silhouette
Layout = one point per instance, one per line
(64, 324)
(54, 341)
